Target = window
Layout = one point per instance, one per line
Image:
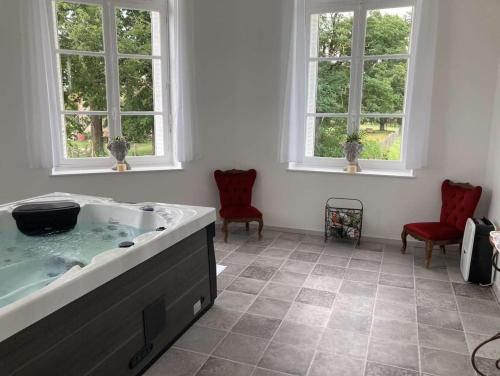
(358, 63)
(112, 63)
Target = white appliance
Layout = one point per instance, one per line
(477, 252)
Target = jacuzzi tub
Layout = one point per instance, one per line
(170, 268)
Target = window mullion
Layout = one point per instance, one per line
(357, 68)
(112, 83)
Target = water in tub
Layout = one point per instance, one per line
(28, 263)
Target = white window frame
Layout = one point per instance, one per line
(113, 112)
(357, 58)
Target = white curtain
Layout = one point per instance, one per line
(420, 97)
(40, 96)
(294, 117)
(182, 81)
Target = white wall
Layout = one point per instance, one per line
(238, 64)
(493, 171)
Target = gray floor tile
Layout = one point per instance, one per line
(397, 258)
(263, 273)
(354, 303)
(358, 288)
(478, 306)
(487, 366)
(328, 271)
(219, 318)
(269, 307)
(443, 339)
(232, 269)
(397, 269)
(287, 358)
(219, 255)
(445, 363)
(374, 369)
(315, 297)
(289, 278)
(239, 258)
(250, 249)
(333, 260)
(371, 246)
(276, 253)
(177, 362)
(486, 325)
(395, 311)
(343, 342)
(440, 318)
(224, 280)
(393, 353)
(338, 251)
(336, 365)
(473, 291)
(434, 272)
(284, 244)
(369, 265)
(297, 266)
(391, 329)
(427, 298)
(341, 332)
(280, 291)
(234, 301)
(241, 348)
(246, 285)
(396, 294)
(258, 326)
(308, 314)
(361, 275)
(350, 321)
(324, 283)
(433, 285)
(267, 372)
(293, 333)
(362, 254)
(490, 350)
(225, 247)
(200, 339)
(222, 367)
(292, 236)
(310, 247)
(267, 262)
(304, 256)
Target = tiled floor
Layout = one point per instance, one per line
(291, 305)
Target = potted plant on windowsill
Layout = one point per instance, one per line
(119, 148)
(353, 147)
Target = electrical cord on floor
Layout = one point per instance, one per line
(496, 336)
(473, 356)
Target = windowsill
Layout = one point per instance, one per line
(101, 171)
(408, 174)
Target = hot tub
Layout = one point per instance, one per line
(107, 296)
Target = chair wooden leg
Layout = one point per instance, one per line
(404, 234)
(261, 225)
(443, 249)
(247, 226)
(428, 253)
(225, 230)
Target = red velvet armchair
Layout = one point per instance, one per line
(459, 201)
(235, 191)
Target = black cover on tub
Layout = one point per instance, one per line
(43, 218)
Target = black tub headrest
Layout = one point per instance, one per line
(42, 218)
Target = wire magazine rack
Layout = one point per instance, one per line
(343, 221)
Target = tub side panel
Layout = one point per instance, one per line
(99, 332)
